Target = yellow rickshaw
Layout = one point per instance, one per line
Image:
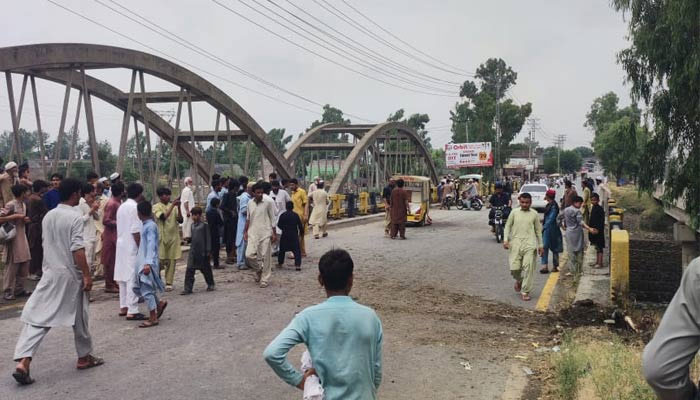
(419, 187)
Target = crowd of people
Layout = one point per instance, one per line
(68, 232)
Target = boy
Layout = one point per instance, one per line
(596, 233)
(344, 338)
(17, 255)
(147, 269)
(523, 237)
(200, 248)
(89, 210)
(573, 223)
(290, 225)
(168, 219)
(216, 223)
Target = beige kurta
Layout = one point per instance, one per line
(18, 250)
(319, 215)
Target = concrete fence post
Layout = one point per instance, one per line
(619, 264)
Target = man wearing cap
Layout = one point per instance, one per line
(186, 205)
(106, 192)
(314, 184)
(7, 179)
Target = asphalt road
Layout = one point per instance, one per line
(210, 345)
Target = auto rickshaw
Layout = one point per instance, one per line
(419, 187)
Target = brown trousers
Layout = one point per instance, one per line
(13, 281)
(398, 228)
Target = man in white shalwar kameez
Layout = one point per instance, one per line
(319, 215)
(128, 237)
(260, 232)
(61, 297)
(186, 205)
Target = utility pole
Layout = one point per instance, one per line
(559, 142)
(532, 122)
(498, 130)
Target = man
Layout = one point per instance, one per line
(7, 180)
(344, 338)
(241, 242)
(88, 208)
(447, 193)
(36, 211)
(229, 209)
(91, 178)
(314, 184)
(281, 197)
(386, 197)
(147, 268)
(61, 297)
(470, 192)
(569, 194)
(523, 237)
(499, 199)
(215, 189)
(319, 216)
(186, 206)
(573, 223)
(17, 255)
(109, 236)
(106, 192)
(52, 198)
(167, 219)
(667, 358)
(102, 202)
(300, 200)
(128, 236)
(400, 209)
(272, 177)
(586, 208)
(260, 232)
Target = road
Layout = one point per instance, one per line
(445, 297)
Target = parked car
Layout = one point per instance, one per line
(537, 191)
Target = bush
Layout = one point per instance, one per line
(655, 220)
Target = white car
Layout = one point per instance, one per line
(537, 191)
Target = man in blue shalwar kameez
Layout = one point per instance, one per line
(243, 200)
(148, 282)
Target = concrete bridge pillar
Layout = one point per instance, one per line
(684, 234)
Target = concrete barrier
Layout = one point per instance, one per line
(619, 264)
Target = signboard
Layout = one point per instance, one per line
(460, 155)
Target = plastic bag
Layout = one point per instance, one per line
(312, 387)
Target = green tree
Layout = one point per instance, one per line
(478, 110)
(605, 111)
(662, 65)
(279, 141)
(619, 147)
(415, 121)
(569, 160)
(584, 152)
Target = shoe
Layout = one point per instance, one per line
(280, 265)
(316, 237)
(168, 288)
(211, 288)
(185, 292)
(325, 234)
(298, 268)
(263, 285)
(275, 253)
(243, 267)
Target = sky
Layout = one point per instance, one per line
(563, 51)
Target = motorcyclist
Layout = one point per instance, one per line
(469, 192)
(499, 199)
(447, 193)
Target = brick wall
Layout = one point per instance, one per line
(655, 269)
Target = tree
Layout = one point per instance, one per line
(619, 147)
(279, 142)
(569, 160)
(584, 152)
(477, 111)
(662, 65)
(604, 111)
(415, 121)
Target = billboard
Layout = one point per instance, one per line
(460, 155)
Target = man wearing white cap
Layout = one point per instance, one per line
(7, 179)
(314, 184)
(106, 192)
(186, 205)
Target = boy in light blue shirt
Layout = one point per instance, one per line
(344, 338)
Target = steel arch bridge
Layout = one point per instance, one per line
(361, 157)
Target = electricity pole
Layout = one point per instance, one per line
(533, 128)
(559, 142)
(498, 130)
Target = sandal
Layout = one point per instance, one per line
(518, 285)
(148, 324)
(555, 269)
(91, 362)
(136, 317)
(161, 309)
(544, 271)
(22, 377)
(525, 297)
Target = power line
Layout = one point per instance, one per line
(321, 55)
(360, 48)
(349, 20)
(188, 64)
(337, 50)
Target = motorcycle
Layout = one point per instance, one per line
(448, 201)
(499, 222)
(475, 203)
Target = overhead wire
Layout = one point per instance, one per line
(403, 41)
(372, 53)
(337, 50)
(86, 18)
(358, 26)
(321, 55)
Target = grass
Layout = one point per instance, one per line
(609, 370)
(650, 212)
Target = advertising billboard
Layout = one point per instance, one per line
(462, 155)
